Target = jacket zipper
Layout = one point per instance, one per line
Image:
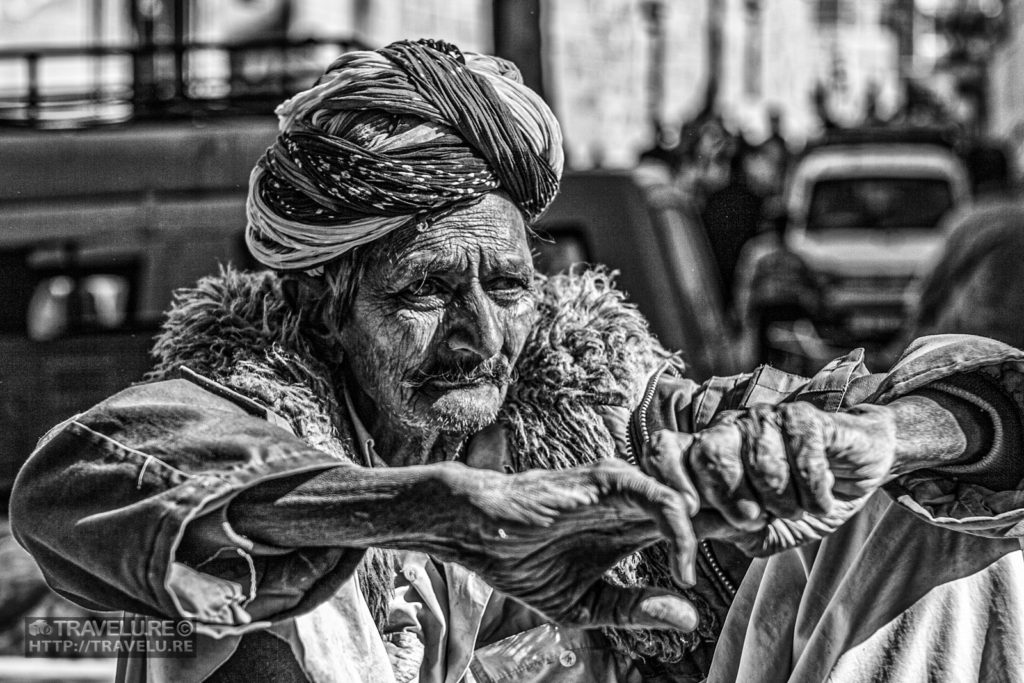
(638, 432)
(724, 583)
(639, 435)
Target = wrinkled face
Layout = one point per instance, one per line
(440, 317)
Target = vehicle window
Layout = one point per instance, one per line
(878, 202)
(105, 301)
(62, 304)
(49, 309)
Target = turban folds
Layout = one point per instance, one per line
(397, 136)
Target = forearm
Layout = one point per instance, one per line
(929, 434)
(966, 426)
(404, 508)
(543, 537)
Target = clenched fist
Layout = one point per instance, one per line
(768, 478)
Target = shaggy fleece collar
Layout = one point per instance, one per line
(590, 350)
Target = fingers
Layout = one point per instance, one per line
(672, 510)
(809, 433)
(221, 599)
(716, 464)
(766, 460)
(751, 464)
(771, 464)
(766, 463)
(683, 543)
(664, 457)
(607, 605)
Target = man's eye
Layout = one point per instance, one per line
(508, 285)
(426, 287)
(509, 290)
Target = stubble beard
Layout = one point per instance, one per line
(462, 412)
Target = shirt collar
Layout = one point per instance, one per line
(363, 438)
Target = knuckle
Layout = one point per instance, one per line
(610, 473)
(728, 417)
(611, 467)
(748, 524)
(721, 444)
(665, 448)
(748, 511)
(675, 503)
(742, 513)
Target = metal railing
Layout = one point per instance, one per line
(62, 87)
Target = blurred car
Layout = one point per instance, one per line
(99, 226)
(862, 222)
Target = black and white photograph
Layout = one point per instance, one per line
(512, 341)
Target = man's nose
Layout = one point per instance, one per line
(475, 329)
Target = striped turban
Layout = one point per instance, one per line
(396, 136)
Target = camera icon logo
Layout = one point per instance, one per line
(40, 627)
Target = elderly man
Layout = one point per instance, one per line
(338, 470)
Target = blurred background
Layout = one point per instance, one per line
(776, 181)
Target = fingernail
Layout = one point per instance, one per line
(687, 572)
(670, 611)
(689, 575)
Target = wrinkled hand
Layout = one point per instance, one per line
(546, 537)
(770, 478)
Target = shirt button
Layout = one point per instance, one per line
(567, 658)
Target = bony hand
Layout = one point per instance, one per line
(547, 537)
(769, 478)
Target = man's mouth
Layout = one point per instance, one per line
(496, 372)
(448, 384)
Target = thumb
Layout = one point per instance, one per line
(605, 604)
(662, 609)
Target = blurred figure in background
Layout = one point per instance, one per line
(259, 29)
(705, 152)
(732, 214)
(731, 182)
(775, 152)
(977, 287)
(977, 284)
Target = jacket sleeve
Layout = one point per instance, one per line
(124, 508)
(985, 496)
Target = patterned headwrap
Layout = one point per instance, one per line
(397, 136)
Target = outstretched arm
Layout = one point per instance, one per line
(543, 537)
(221, 516)
(771, 477)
